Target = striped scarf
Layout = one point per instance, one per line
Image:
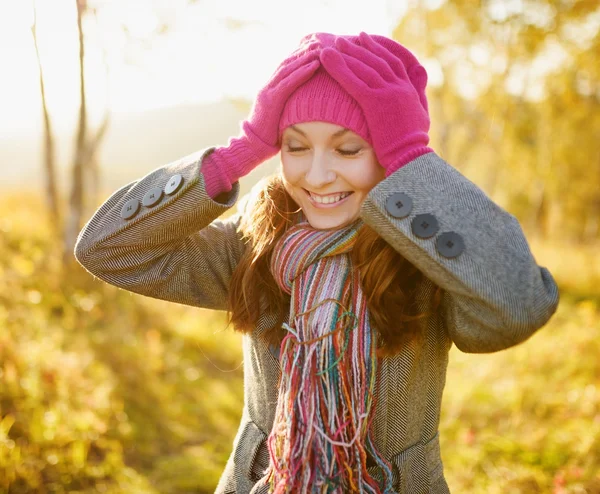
(321, 439)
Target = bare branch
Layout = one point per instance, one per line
(51, 185)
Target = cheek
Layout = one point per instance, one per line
(365, 176)
(291, 170)
(375, 176)
(288, 179)
(286, 169)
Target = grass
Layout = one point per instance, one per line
(105, 391)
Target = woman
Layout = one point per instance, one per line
(350, 273)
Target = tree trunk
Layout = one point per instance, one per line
(75, 213)
(50, 183)
(92, 162)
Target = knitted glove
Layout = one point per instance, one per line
(389, 84)
(258, 140)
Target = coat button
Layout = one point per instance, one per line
(152, 197)
(399, 205)
(450, 244)
(174, 184)
(130, 209)
(424, 225)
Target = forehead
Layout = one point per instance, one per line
(319, 129)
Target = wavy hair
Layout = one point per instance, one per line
(388, 280)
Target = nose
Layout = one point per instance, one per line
(320, 172)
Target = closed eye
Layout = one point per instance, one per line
(347, 152)
(343, 152)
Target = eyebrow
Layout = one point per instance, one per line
(339, 133)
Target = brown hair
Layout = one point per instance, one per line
(388, 280)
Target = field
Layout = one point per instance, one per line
(105, 391)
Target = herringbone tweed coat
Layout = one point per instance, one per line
(160, 236)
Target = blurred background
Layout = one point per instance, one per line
(106, 391)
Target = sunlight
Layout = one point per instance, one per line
(211, 50)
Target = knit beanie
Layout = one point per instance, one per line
(322, 99)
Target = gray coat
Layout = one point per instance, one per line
(160, 236)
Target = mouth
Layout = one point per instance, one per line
(329, 200)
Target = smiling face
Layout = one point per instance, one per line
(328, 160)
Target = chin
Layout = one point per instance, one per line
(326, 223)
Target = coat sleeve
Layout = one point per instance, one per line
(495, 294)
(159, 236)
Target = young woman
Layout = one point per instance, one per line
(350, 272)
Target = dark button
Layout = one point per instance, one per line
(450, 244)
(174, 184)
(399, 205)
(424, 225)
(130, 209)
(152, 197)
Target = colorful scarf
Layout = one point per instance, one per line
(320, 440)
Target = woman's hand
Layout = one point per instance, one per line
(259, 139)
(389, 84)
(263, 121)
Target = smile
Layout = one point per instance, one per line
(328, 201)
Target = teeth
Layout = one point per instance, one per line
(329, 199)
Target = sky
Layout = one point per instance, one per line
(212, 49)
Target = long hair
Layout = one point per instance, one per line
(388, 280)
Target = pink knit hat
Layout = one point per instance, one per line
(322, 99)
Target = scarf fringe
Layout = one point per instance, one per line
(321, 438)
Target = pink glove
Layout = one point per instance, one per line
(258, 140)
(389, 84)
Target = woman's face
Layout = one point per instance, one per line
(328, 160)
